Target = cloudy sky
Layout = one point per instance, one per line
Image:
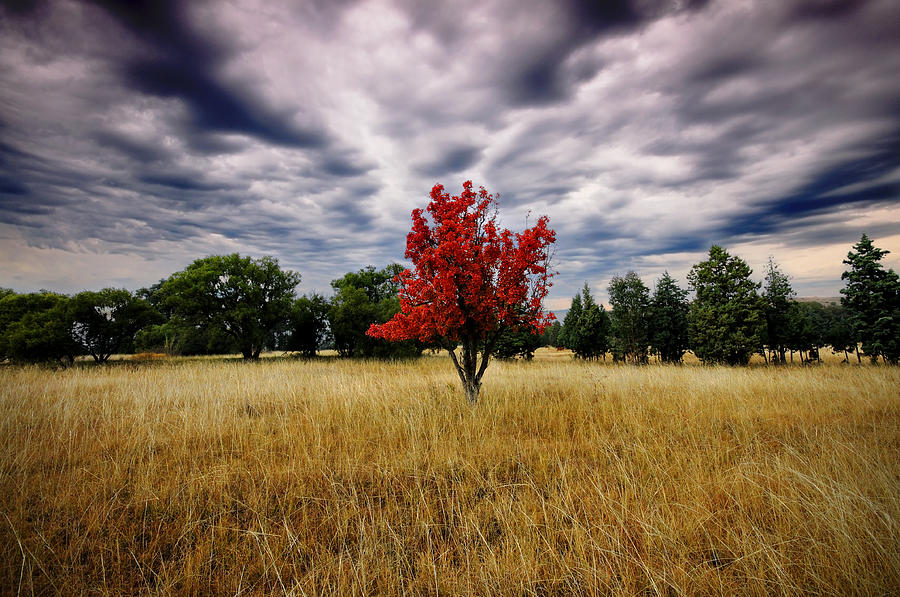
(138, 136)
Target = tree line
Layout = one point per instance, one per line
(222, 304)
(732, 317)
(232, 304)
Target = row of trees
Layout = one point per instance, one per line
(229, 303)
(729, 319)
(217, 305)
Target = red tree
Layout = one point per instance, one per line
(471, 281)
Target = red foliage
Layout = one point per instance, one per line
(471, 279)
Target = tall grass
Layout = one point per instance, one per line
(354, 478)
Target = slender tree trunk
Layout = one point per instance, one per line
(466, 371)
(858, 358)
(470, 370)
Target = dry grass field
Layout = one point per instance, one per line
(334, 477)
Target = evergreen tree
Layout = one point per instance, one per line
(806, 329)
(777, 296)
(593, 328)
(517, 343)
(669, 320)
(569, 335)
(839, 334)
(726, 320)
(630, 302)
(550, 337)
(872, 300)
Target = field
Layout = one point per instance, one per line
(332, 477)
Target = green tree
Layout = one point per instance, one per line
(840, 332)
(361, 299)
(806, 330)
(106, 321)
(777, 296)
(726, 319)
(244, 298)
(569, 334)
(517, 343)
(12, 307)
(669, 320)
(308, 325)
(592, 335)
(630, 302)
(178, 335)
(585, 330)
(872, 299)
(36, 328)
(551, 334)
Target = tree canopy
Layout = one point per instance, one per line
(726, 317)
(668, 320)
(630, 302)
(106, 321)
(36, 327)
(247, 299)
(586, 329)
(308, 324)
(872, 299)
(777, 298)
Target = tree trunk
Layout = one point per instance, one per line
(858, 358)
(470, 370)
(472, 391)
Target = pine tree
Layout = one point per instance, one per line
(669, 320)
(872, 299)
(777, 296)
(569, 335)
(726, 318)
(630, 301)
(593, 328)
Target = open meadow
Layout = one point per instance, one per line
(338, 477)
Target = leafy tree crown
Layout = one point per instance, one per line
(471, 279)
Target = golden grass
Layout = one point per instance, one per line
(334, 477)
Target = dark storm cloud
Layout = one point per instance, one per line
(182, 64)
(11, 186)
(118, 170)
(451, 161)
(344, 165)
(214, 106)
(133, 149)
(852, 182)
(825, 9)
(181, 183)
(544, 77)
